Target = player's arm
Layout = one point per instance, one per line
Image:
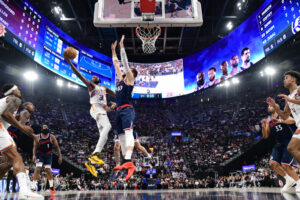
(110, 92)
(56, 146)
(282, 114)
(289, 120)
(116, 60)
(13, 104)
(124, 59)
(24, 116)
(288, 99)
(78, 74)
(35, 145)
(265, 128)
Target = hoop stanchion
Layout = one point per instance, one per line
(148, 35)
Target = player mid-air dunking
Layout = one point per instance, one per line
(8, 106)
(125, 112)
(137, 144)
(98, 111)
(281, 160)
(42, 155)
(292, 106)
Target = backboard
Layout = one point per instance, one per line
(168, 13)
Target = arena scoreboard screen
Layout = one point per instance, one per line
(33, 34)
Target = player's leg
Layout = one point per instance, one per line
(104, 127)
(294, 146)
(138, 145)
(19, 172)
(117, 148)
(5, 165)
(50, 178)
(287, 161)
(278, 155)
(36, 175)
(277, 168)
(127, 124)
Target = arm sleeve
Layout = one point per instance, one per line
(124, 60)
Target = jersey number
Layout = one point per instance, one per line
(101, 97)
(48, 146)
(278, 128)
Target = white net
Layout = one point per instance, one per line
(148, 35)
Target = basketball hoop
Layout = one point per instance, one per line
(148, 35)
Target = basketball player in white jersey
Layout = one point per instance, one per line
(292, 106)
(8, 106)
(98, 111)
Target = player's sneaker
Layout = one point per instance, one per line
(131, 169)
(298, 187)
(33, 186)
(52, 190)
(95, 159)
(92, 169)
(288, 185)
(27, 195)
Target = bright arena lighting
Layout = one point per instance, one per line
(270, 71)
(59, 83)
(57, 10)
(227, 83)
(262, 74)
(70, 85)
(229, 25)
(235, 81)
(30, 76)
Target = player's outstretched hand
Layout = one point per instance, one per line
(283, 96)
(122, 41)
(114, 45)
(271, 102)
(59, 160)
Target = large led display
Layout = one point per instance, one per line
(33, 34)
(267, 28)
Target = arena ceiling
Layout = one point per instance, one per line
(173, 43)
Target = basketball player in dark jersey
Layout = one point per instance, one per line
(281, 160)
(125, 112)
(24, 119)
(42, 154)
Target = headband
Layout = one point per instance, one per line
(10, 90)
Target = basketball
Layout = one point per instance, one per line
(70, 52)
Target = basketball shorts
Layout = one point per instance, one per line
(281, 155)
(6, 141)
(15, 133)
(44, 160)
(124, 119)
(100, 115)
(135, 136)
(297, 134)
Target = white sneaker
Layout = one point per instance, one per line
(298, 187)
(288, 185)
(27, 195)
(33, 187)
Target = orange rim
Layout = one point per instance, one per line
(148, 27)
